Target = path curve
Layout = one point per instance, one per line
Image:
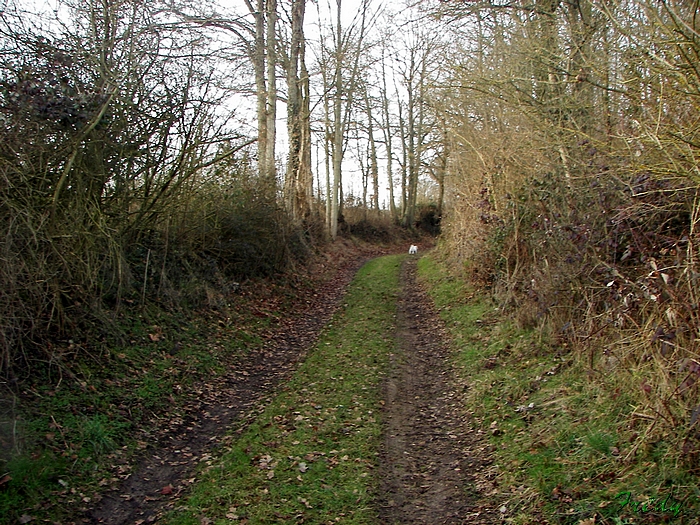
(165, 471)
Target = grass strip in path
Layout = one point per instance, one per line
(309, 456)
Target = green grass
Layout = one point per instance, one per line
(310, 455)
(561, 435)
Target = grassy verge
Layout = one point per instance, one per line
(563, 443)
(77, 422)
(309, 456)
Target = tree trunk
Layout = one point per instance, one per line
(306, 173)
(299, 178)
(409, 211)
(374, 166)
(271, 113)
(260, 86)
(386, 128)
(337, 129)
(365, 170)
(404, 161)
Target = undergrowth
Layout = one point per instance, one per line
(570, 441)
(310, 455)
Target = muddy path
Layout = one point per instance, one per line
(432, 466)
(161, 476)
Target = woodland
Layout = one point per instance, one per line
(158, 156)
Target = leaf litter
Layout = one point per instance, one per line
(432, 469)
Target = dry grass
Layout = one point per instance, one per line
(590, 239)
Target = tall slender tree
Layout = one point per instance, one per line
(348, 48)
(388, 138)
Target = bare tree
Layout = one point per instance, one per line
(347, 52)
(414, 74)
(259, 41)
(338, 123)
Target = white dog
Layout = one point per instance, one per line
(413, 249)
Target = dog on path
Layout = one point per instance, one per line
(413, 249)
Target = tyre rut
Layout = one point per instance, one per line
(426, 460)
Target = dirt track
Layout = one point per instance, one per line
(164, 471)
(429, 462)
(428, 457)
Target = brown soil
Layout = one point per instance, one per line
(433, 469)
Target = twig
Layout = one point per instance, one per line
(145, 278)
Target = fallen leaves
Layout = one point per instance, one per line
(4, 481)
(559, 494)
(194, 413)
(156, 335)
